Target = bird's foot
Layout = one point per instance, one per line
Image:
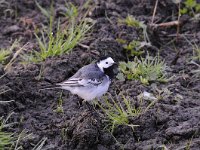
(89, 106)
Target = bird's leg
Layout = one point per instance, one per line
(90, 108)
(96, 102)
(88, 105)
(80, 103)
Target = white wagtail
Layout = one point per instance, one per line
(91, 81)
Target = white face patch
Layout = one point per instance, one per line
(106, 63)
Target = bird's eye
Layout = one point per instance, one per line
(106, 62)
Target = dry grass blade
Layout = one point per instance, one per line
(166, 24)
(40, 144)
(154, 12)
(14, 57)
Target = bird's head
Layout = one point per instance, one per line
(108, 66)
(105, 62)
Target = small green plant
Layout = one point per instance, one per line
(59, 108)
(6, 138)
(196, 53)
(5, 53)
(191, 7)
(132, 22)
(11, 141)
(63, 40)
(118, 113)
(195, 48)
(133, 48)
(144, 69)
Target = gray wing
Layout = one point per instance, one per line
(86, 76)
(84, 70)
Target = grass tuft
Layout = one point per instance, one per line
(144, 69)
(191, 7)
(63, 40)
(5, 53)
(59, 108)
(6, 138)
(132, 22)
(195, 49)
(118, 113)
(196, 53)
(134, 47)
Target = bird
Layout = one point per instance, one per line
(91, 81)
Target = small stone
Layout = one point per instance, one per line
(147, 96)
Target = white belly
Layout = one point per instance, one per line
(95, 92)
(91, 92)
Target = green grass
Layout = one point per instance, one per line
(6, 52)
(191, 7)
(132, 22)
(118, 113)
(196, 56)
(134, 47)
(59, 108)
(145, 69)
(62, 40)
(6, 138)
(195, 49)
(11, 141)
(196, 53)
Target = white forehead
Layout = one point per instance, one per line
(105, 63)
(109, 60)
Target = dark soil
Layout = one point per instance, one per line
(174, 121)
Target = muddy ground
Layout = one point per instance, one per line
(173, 122)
